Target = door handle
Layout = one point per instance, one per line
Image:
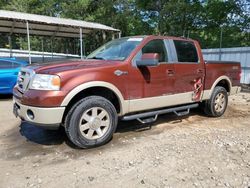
(170, 72)
(199, 71)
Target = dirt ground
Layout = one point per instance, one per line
(193, 151)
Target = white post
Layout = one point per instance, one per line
(81, 43)
(221, 35)
(10, 45)
(51, 48)
(120, 34)
(43, 49)
(28, 36)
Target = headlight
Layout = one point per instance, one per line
(45, 82)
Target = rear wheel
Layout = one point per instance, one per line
(217, 104)
(91, 122)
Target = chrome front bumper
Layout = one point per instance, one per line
(45, 117)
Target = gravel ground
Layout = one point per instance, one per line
(192, 151)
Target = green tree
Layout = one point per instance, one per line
(203, 20)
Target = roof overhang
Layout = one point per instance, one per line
(16, 23)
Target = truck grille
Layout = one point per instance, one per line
(23, 79)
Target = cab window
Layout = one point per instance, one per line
(156, 46)
(153, 46)
(186, 51)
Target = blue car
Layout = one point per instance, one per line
(9, 68)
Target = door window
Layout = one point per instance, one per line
(154, 46)
(186, 51)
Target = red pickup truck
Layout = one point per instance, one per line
(130, 78)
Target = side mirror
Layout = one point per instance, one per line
(148, 59)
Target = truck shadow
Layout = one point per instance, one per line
(42, 136)
(57, 137)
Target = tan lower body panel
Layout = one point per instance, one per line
(170, 100)
(159, 102)
(207, 93)
(45, 116)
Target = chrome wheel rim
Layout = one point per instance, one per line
(220, 102)
(94, 123)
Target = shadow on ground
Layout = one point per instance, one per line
(42, 136)
(56, 137)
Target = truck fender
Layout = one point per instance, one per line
(123, 104)
(207, 93)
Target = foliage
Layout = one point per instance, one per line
(204, 20)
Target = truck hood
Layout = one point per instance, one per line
(62, 66)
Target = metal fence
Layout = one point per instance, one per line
(36, 57)
(241, 54)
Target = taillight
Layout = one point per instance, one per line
(240, 74)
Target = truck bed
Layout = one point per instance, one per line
(231, 69)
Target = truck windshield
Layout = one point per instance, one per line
(118, 49)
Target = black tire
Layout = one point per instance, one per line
(75, 117)
(210, 105)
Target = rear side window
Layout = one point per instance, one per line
(186, 51)
(8, 65)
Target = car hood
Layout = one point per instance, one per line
(62, 66)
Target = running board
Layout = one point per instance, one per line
(183, 113)
(148, 117)
(148, 120)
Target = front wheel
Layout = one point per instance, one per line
(217, 104)
(91, 122)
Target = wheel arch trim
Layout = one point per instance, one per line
(208, 93)
(82, 87)
(221, 78)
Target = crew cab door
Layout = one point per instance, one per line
(149, 83)
(189, 70)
